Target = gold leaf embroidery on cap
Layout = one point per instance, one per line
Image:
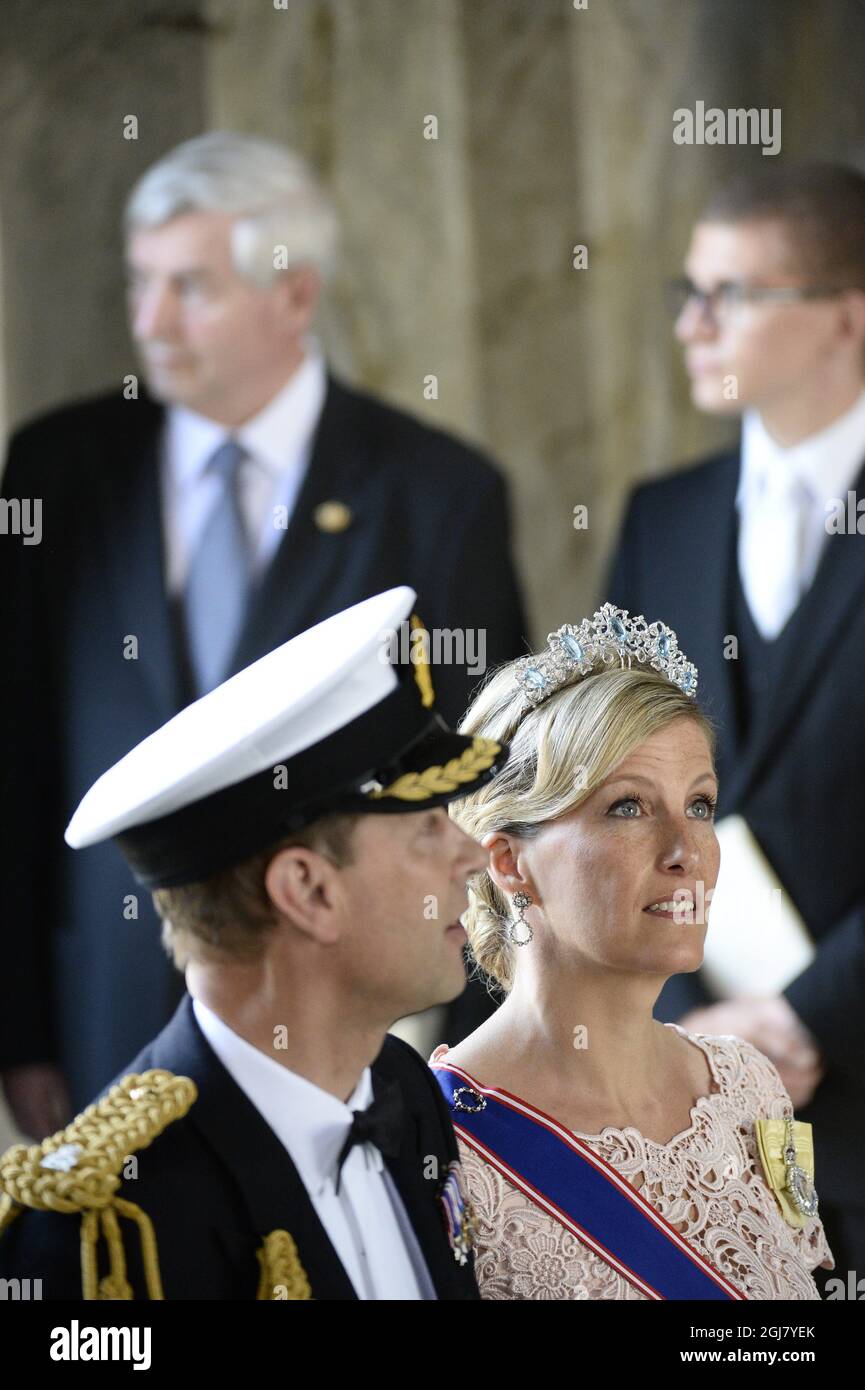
(443, 777)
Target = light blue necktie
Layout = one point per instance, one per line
(217, 586)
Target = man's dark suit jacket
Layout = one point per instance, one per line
(218, 1181)
(797, 776)
(95, 662)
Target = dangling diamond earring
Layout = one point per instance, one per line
(521, 902)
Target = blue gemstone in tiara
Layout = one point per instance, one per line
(610, 635)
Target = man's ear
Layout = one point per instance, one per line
(304, 886)
(299, 290)
(505, 868)
(853, 323)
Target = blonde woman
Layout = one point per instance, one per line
(610, 1156)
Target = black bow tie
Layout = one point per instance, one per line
(380, 1124)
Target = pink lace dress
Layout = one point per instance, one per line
(707, 1182)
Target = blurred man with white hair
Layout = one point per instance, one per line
(191, 525)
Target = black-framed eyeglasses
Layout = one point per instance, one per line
(731, 294)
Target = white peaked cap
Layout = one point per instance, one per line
(330, 708)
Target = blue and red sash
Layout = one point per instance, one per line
(567, 1179)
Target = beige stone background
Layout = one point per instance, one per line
(554, 129)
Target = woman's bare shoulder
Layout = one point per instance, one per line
(466, 1055)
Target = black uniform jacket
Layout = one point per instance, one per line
(217, 1182)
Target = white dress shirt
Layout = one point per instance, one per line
(366, 1220)
(823, 466)
(279, 442)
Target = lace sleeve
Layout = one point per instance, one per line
(772, 1101)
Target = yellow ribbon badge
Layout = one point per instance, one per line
(786, 1149)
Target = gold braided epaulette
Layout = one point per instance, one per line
(78, 1170)
(444, 777)
(282, 1276)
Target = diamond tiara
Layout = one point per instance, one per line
(611, 633)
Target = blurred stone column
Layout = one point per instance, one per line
(631, 66)
(71, 76)
(531, 321)
(354, 85)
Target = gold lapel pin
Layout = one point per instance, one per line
(332, 517)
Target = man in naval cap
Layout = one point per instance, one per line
(274, 1141)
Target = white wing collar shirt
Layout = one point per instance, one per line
(278, 443)
(366, 1220)
(782, 499)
